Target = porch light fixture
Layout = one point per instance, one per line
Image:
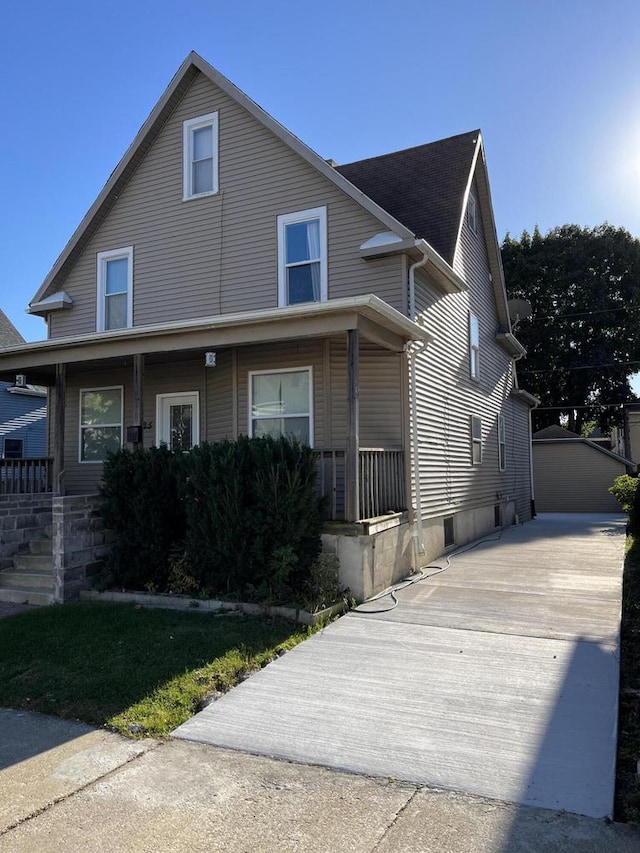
(209, 359)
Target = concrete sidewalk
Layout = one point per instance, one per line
(65, 788)
(498, 677)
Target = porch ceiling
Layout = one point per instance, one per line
(374, 318)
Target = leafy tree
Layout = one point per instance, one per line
(583, 337)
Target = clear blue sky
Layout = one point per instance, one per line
(554, 85)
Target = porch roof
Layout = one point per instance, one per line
(375, 319)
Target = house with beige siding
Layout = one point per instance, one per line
(228, 280)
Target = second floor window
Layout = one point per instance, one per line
(115, 290)
(302, 257)
(200, 156)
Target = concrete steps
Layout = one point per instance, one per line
(30, 581)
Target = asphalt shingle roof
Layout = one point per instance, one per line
(9, 335)
(422, 187)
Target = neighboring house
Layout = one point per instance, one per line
(23, 410)
(574, 474)
(228, 280)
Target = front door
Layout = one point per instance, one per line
(178, 420)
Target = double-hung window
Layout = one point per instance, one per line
(115, 289)
(302, 257)
(100, 423)
(502, 446)
(200, 156)
(280, 404)
(476, 440)
(474, 347)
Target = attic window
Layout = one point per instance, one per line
(200, 156)
(472, 213)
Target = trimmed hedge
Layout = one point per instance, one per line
(235, 517)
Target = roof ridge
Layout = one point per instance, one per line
(411, 148)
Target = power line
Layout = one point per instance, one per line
(583, 406)
(629, 309)
(581, 367)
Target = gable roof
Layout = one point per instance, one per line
(182, 80)
(467, 160)
(555, 431)
(425, 187)
(9, 335)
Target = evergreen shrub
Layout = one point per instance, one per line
(239, 518)
(253, 516)
(143, 508)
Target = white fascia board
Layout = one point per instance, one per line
(369, 305)
(55, 302)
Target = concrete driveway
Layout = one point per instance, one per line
(497, 677)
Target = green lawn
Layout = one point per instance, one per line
(628, 782)
(138, 671)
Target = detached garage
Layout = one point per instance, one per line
(573, 474)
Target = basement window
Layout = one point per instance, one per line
(449, 538)
(497, 518)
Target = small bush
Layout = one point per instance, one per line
(142, 507)
(625, 491)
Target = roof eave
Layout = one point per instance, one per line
(526, 397)
(509, 342)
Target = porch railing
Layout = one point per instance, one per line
(381, 481)
(25, 476)
(382, 486)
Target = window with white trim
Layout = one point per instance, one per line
(115, 289)
(13, 448)
(100, 423)
(200, 156)
(472, 213)
(474, 346)
(280, 403)
(476, 440)
(502, 445)
(302, 257)
(178, 420)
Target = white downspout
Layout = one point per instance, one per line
(412, 352)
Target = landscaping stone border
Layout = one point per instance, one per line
(214, 605)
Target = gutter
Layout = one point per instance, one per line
(412, 352)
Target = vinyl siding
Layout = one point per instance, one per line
(21, 418)
(218, 254)
(380, 396)
(574, 477)
(447, 396)
(518, 473)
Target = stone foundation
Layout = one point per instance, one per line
(80, 543)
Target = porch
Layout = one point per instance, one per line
(347, 355)
(380, 482)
